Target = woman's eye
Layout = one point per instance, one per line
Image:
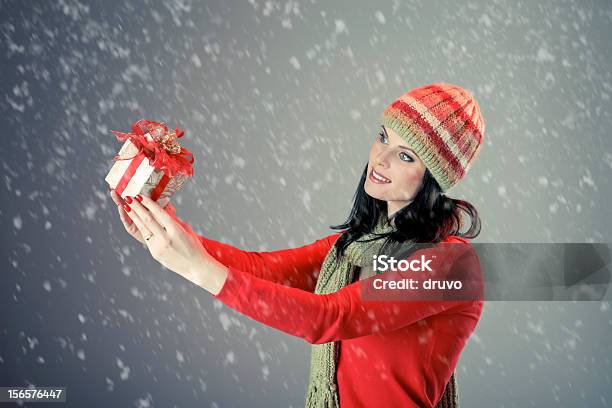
(403, 155)
(408, 158)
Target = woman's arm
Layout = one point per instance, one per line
(174, 244)
(345, 314)
(295, 267)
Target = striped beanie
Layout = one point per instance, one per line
(442, 123)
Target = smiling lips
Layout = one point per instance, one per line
(378, 178)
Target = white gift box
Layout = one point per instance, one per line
(144, 179)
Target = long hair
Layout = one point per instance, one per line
(429, 218)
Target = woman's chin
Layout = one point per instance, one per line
(371, 193)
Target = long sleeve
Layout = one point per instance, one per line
(345, 314)
(295, 267)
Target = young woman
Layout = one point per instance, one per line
(365, 353)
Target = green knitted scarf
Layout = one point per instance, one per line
(334, 275)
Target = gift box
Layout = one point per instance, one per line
(150, 162)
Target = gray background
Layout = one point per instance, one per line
(280, 101)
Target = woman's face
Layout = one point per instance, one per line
(399, 165)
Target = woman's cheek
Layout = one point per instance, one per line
(407, 188)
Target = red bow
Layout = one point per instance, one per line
(162, 151)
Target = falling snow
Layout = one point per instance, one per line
(280, 102)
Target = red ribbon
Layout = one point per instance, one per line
(159, 158)
(129, 173)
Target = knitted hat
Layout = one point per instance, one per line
(443, 125)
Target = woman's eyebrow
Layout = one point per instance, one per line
(403, 147)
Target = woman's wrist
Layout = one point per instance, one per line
(209, 275)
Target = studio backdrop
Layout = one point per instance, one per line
(280, 104)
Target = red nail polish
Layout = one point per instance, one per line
(128, 199)
(138, 198)
(126, 208)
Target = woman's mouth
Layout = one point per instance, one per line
(378, 178)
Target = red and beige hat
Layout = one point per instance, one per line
(442, 123)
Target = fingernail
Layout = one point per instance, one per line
(127, 208)
(138, 198)
(128, 199)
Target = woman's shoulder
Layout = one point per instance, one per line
(456, 239)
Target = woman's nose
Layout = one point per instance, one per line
(382, 159)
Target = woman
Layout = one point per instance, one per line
(365, 353)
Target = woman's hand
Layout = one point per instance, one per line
(129, 225)
(173, 243)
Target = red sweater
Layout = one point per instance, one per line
(392, 353)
